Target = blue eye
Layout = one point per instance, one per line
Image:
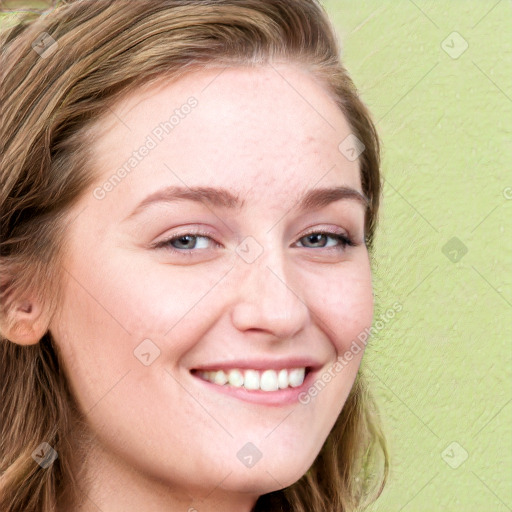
(321, 237)
(188, 243)
(185, 242)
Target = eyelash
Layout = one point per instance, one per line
(344, 241)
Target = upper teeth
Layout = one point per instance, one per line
(267, 380)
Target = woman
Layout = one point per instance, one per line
(189, 196)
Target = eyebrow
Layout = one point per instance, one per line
(222, 198)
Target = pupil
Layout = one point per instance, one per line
(184, 239)
(314, 238)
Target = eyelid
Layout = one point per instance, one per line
(186, 231)
(343, 236)
(324, 229)
(332, 231)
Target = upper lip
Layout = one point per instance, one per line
(261, 364)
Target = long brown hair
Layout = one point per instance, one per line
(48, 105)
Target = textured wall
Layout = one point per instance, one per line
(442, 366)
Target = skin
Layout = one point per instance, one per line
(163, 441)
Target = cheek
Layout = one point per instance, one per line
(110, 309)
(342, 309)
(344, 305)
(106, 313)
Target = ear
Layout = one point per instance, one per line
(25, 323)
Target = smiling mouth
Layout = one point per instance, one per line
(256, 380)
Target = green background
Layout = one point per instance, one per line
(441, 368)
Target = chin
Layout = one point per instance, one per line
(262, 481)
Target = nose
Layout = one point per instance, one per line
(267, 299)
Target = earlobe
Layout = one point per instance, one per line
(26, 325)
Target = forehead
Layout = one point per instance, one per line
(248, 129)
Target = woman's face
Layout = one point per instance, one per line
(202, 255)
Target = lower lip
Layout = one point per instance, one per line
(279, 397)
